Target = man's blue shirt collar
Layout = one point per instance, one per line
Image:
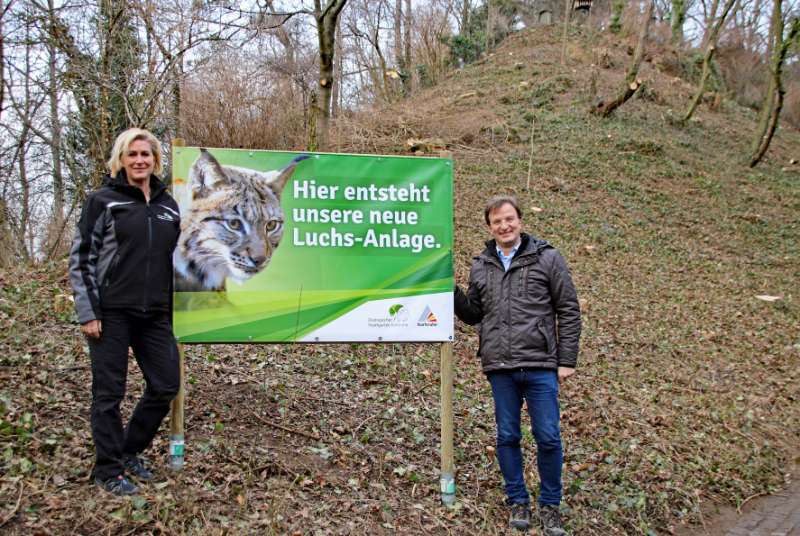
(507, 260)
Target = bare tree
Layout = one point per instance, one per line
(336, 97)
(101, 84)
(431, 53)
(327, 18)
(406, 64)
(677, 20)
(463, 22)
(56, 227)
(632, 81)
(398, 35)
(402, 42)
(25, 102)
(371, 16)
(773, 99)
(5, 6)
(711, 37)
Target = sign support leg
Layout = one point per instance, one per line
(176, 415)
(176, 420)
(447, 481)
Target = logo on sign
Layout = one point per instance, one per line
(427, 318)
(398, 318)
(399, 313)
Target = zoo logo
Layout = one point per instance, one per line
(399, 313)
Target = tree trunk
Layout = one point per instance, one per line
(490, 16)
(337, 95)
(775, 35)
(285, 39)
(313, 116)
(326, 32)
(23, 225)
(711, 43)
(632, 82)
(3, 10)
(407, 65)
(617, 7)
(677, 19)
(465, 9)
(104, 117)
(398, 36)
(56, 227)
(773, 101)
(567, 12)
(6, 250)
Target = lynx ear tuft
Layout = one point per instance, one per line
(285, 174)
(205, 174)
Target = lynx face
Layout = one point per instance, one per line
(234, 225)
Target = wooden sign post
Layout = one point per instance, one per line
(447, 482)
(176, 444)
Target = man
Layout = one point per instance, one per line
(521, 293)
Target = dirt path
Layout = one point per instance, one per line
(775, 515)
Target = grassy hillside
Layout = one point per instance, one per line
(688, 385)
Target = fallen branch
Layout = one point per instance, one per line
(16, 507)
(739, 508)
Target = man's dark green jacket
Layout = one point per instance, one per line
(529, 315)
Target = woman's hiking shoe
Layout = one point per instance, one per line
(550, 517)
(520, 516)
(135, 466)
(118, 485)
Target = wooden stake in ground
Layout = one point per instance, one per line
(447, 480)
(530, 156)
(176, 419)
(632, 80)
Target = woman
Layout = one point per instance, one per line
(121, 274)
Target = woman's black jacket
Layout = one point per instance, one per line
(121, 257)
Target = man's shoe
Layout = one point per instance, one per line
(135, 466)
(520, 516)
(117, 485)
(550, 518)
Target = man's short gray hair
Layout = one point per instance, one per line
(498, 201)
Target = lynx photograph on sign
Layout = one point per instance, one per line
(306, 247)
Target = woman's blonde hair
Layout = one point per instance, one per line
(123, 143)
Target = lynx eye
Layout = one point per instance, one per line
(272, 225)
(234, 225)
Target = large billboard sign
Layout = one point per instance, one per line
(285, 247)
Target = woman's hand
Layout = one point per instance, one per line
(92, 329)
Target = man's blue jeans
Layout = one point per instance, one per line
(539, 388)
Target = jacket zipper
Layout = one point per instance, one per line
(148, 257)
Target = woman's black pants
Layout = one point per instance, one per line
(153, 343)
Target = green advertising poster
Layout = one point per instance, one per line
(310, 247)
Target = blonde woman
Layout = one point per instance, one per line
(121, 274)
